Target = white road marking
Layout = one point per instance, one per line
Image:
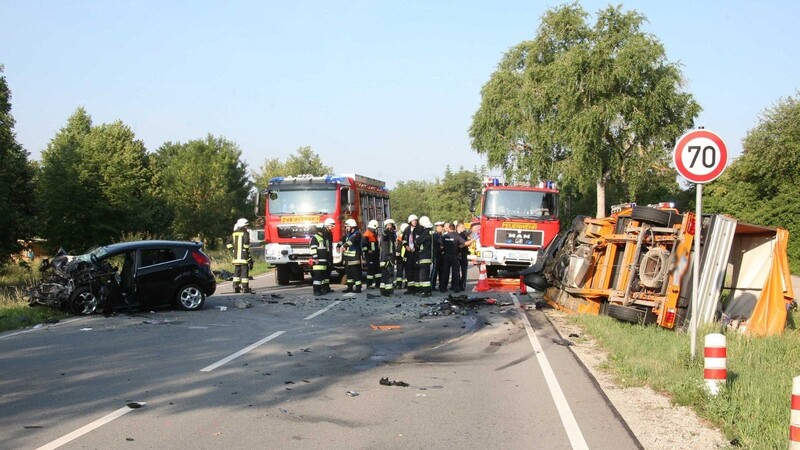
(43, 327)
(241, 352)
(87, 428)
(322, 310)
(567, 418)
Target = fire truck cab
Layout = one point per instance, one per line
(291, 205)
(515, 222)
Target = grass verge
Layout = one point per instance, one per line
(752, 408)
(14, 310)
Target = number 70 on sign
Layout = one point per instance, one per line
(700, 156)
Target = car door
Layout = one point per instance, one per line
(157, 271)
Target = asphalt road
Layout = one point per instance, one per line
(297, 371)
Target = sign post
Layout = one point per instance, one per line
(700, 156)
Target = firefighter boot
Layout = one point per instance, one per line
(317, 290)
(349, 288)
(358, 289)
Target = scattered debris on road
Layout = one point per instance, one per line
(242, 304)
(351, 394)
(385, 382)
(385, 327)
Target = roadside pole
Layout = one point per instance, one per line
(698, 221)
(700, 156)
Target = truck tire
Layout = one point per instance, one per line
(536, 281)
(626, 313)
(655, 216)
(283, 274)
(491, 271)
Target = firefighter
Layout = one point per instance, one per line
(463, 255)
(388, 242)
(369, 245)
(239, 244)
(411, 257)
(400, 259)
(438, 253)
(327, 230)
(351, 254)
(319, 257)
(451, 243)
(424, 243)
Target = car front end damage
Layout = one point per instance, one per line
(80, 285)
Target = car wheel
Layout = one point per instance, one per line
(626, 313)
(283, 274)
(190, 297)
(84, 301)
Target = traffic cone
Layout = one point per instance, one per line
(483, 283)
(523, 289)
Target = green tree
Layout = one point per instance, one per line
(302, 163)
(205, 184)
(413, 197)
(96, 185)
(582, 104)
(760, 187)
(61, 193)
(16, 181)
(453, 194)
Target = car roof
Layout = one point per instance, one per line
(134, 245)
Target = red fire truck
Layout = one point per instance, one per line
(515, 222)
(291, 205)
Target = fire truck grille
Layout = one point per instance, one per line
(527, 238)
(293, 231)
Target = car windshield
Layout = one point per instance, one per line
(97, 251)
(313, 200)
(521, 204)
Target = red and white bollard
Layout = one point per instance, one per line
(716, 365)
(794, 426)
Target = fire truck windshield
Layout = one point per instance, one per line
(519, 204)
(314, 200)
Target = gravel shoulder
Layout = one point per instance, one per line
(656, 422)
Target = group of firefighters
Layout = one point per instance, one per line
(416, 256)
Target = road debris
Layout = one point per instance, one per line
(385, 327)
(564, 342)
(351, 393)
(86, 329)
(222, 308)
(242, 304)
(385, 382)
(290, 303)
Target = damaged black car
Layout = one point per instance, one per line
(127, 275)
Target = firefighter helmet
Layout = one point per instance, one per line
(403, 227)
(372, 225)
(241, 223)
(425, 222)
(350, 223)
(329, 222)
(388, 221)
(412, 218)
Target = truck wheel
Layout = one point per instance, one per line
(491, 271)
(654, 216)
(626, 313)
(283, 273)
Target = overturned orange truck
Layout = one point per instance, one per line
(636, 266)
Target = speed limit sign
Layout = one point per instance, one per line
(700, 156)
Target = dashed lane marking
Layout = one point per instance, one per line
(92, 426)
(241, 352)
(323, 310)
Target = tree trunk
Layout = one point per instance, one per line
(601, 198)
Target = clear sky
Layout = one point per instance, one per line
(386, 89)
